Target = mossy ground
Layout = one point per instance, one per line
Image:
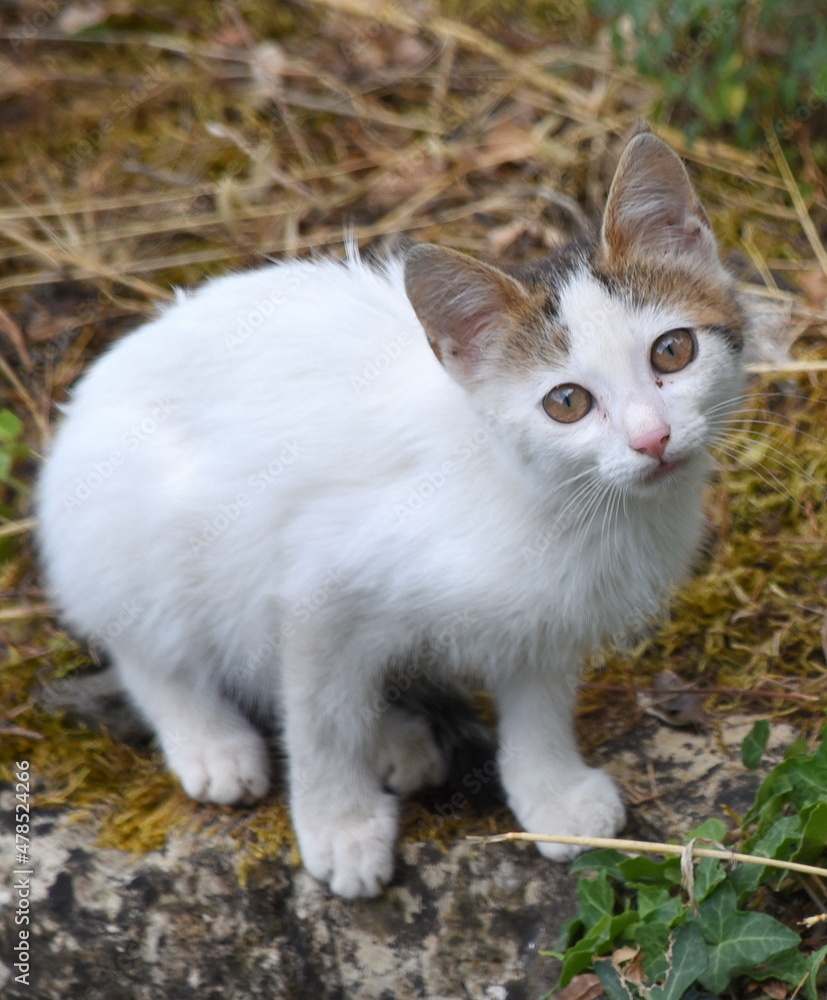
(155, 144)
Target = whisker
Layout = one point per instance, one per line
(779, 455)
(768, 477)
(745, 425)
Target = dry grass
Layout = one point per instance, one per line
(153, 146)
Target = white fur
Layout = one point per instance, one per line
(274, 491)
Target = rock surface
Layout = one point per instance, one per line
(467, 922)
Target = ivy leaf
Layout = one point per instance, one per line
(597, 898)
(646, 871)
(604, 860)
(737, 941)
(710, 829)
(689, 963)
(709, 874)
(755, 744)
(611, 981)
(814, 963)
(789, 966)
(653, 940)
(814, 832)
(599, 939)
(781, 841)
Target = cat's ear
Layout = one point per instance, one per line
(464, 305)
(652, 208)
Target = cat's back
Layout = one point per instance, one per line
(290, 386)
(242, 331)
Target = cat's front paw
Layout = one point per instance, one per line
(589, 807)
(353, 851)
(227, 769)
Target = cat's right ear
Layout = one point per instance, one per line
(652, 208)
(464, 305)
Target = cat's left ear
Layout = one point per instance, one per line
(466, 306)
(652, 208)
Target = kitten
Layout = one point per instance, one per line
(304, 487)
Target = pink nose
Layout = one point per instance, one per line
(653, 443)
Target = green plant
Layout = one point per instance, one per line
(671, 935)
(11, 445)
(729, 62)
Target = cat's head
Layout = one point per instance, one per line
(617, 360)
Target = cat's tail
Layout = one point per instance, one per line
(467, 742)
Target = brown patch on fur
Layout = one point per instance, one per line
(534, 337)
(707, 303)
(474, 312)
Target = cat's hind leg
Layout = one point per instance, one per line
(215, 752)
(409, 755)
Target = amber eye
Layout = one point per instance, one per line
(673, 351)
(567, 403)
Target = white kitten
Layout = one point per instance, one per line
(304, 479)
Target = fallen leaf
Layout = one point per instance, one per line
(629, 961)
(583, 987)
(673, 701)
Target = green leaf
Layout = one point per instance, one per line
(710, 829)
(734, 99)
(579, 956)
(689, 963)
(647, 871)
(653, 940)
(809, 780)
(597, 898)
(781, 841)
(798, 748)
(611, 981)
(790, 966)
(11, 426)
(755, 744)
(709, 874)
(814, 832)
(651, 899)
(605, 860)
(814, 963)
(738, 941)
(598, 940)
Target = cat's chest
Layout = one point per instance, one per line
(580, 583)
